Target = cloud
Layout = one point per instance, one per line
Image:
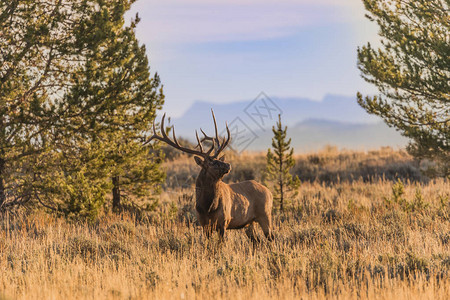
(193, 21)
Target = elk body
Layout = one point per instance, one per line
(222, 206)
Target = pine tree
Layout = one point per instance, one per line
(116, 82)
(35, 64)
(112, 103)
(136, 175)
(412, 73)
(73, 103)
(279, 164)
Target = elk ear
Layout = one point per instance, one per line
(198, 160)
(222, 158)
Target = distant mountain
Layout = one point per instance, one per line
(336, 120)
(315, 134)
(293, 110)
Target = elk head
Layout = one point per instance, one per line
(212, 166)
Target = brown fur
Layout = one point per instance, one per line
(221, 206)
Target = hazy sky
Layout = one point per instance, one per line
(229, 50)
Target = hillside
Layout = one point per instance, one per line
(336, 120)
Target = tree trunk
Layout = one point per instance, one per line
(2, 160)
(281, 183)
(116, 194)
(2, 182)
(281, 196)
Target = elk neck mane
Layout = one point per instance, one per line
(207, 192)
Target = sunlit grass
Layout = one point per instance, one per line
(343, 240)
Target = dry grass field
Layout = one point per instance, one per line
(352, 231)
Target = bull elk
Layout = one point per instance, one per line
(222, 206)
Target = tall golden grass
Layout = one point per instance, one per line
(328, 165)
(344, 240)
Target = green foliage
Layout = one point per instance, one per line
(115, 84)
(398, 190)
(134, 171)
(76, 101)
(81, 196)
(74, 181)
(397, 198)
(411, 72)
(34, 69)
(444, 207)
(279, 164)
(418, 203)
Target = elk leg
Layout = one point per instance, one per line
(221, 231)
(266, 225)
(251, 233)
(207, 230)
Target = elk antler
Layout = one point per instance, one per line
(221, 145)
(174, 143)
